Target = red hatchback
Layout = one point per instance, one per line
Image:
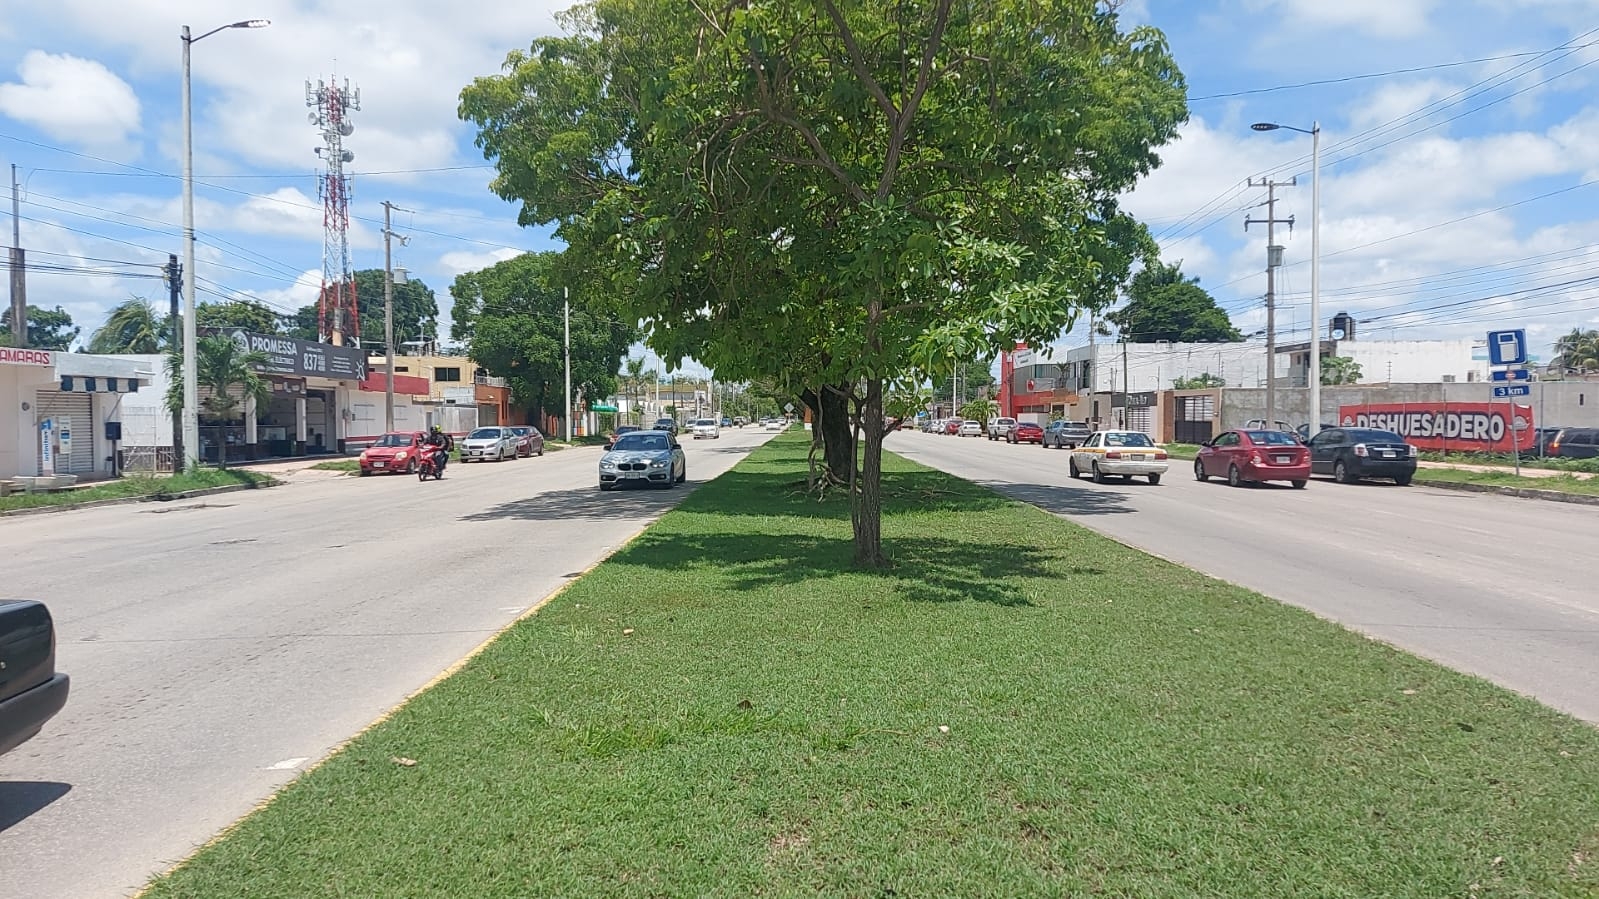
(393, 452)
(1026, 432)
(1247, 457)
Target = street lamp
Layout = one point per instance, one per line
(191, 384)
(1315, 264)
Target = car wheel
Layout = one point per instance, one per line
(1199, 471)
(1099, 476)
(607, 488)
(1341, 473)
(1299, 485)
(1403, 480)
(683, 478)
(1154, 480)
(411, 467)
(1071, 468)
(365, 472)
(1234, 479)
(541, 450)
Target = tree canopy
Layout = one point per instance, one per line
(511, 315)
(133, 326)
(1163, 304)
(250, 315)
(416, 312)
(48, 329)
(832, 194)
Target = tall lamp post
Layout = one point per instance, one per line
(191, 384)
(1315, 263)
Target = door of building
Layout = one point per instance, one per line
(1196, 419)
(74, 414)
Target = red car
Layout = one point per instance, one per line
(529, 442)
(953, 426)
(1026, 432)
(396, 452)
(1250, 456)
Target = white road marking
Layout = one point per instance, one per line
(289, 764)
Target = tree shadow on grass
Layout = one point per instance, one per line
(753, 489)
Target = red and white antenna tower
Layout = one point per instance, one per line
(331, 105)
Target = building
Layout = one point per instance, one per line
(1462, 361)
(65, 412)
(458, 382)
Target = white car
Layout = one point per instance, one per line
(1000, 428)
(706, 427)
(970, 429)
(484, 444)
(776, 424)
(1128, 454)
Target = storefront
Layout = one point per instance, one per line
(60, 407)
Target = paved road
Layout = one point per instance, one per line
(1500, 587)
(217, 646)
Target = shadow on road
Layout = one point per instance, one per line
(20, 799)
(585, 503)
(1065, 500)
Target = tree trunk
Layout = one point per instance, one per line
(832, 422)
(866, 500)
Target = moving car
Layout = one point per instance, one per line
(393, 452)
(646, 458)
(727, 422)
(705, 427)
(1352, 454)
(31, 690)
(776, 424)
(740, 421)
(482, 444)
(1065, 434)
(669, 425)
(1129, 454)
(1025, 432)
(1000, 427)
(969, 428)
(529, 442)
(1246, 457)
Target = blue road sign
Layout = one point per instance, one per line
(1510, 390)
(1510, 374)
(1507, 347)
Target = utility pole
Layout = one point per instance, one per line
(19, 283)
(388, 316)
(1127, 385)
(174, 297)
(1274, 258)
(566, 308)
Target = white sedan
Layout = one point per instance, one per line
(706, 427)
(1128, 454)
(971, 429)
(776, 424)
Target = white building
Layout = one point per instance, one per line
(1112, 367)
(58, 406)
(1463, 361)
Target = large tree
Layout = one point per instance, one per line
(511, 316)
(249, 315)
(1163, 304)
(416, 312)
(133, 326)
(48, 329)
(1577, 351)
(834, 194)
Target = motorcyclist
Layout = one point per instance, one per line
(441, 444)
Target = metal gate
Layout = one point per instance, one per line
(1141, 418)
(1196, 419)
(74, 414)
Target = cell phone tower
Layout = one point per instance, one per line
(337, 318)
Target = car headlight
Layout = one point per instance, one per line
(399, 456)
(363, 455)
(607, 464)
(658, 464)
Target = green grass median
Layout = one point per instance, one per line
(1020, 708)
(137, 486)
(1561, 483)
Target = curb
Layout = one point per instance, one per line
(130, 500)
(1554, 496)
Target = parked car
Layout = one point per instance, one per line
(1574, 443)
(393, 452)
(969, 428)
(646, 458)
(999, 428)
(1129, 454)
(529, 442)
(1259, 424)
(32, 691)
(482, 444)
(1025, 432)
(669, 425)
(951, 426)
(1352, 454)
(776, 424)
(1067, 434)
(705, 427)
(1247, 457)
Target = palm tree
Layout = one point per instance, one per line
(634, 378)
(1578, 351)
(223, 366)
(133, 326)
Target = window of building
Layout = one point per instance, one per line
(447, 374)
(400, 368)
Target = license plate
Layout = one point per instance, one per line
(633, 474)
(1387, 454)
(379, 464)
(1284, 460)
(1136, 457)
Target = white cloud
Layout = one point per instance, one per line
(1380, 18)
(72, 99)
(463, 261)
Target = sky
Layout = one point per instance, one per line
(1459, 152)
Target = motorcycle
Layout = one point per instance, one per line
(426, 467)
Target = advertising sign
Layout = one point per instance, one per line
(1464, 427)
(47, 447)
(301, 358)
(15, 356)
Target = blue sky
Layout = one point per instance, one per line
(1455, 198)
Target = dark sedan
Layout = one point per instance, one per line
(529, 442)
(1354, 454)
(1025, 432)
(31, 690)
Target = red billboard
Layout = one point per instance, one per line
(1448, 427)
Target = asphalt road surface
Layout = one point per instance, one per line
(218, 646)
(1492, 585)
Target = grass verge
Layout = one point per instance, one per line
(1589, 466)
(1563, 483)
(727, 708)
(345, 465)
(1181, 450)
(155, 488)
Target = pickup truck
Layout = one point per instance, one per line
(999, 428)
(31, 690)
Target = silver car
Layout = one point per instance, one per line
(650, 458)
(484, 444)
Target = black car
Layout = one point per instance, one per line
(1574, 443)
(1063, 434)
(1353, 454)
(669, 425)
(31, 690)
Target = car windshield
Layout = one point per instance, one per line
(1271, 438)
(484, 434)
(394, 440)
(972, 423)
(705, 423)
(640, 443)
(1128, 440)
(520, 432)
(1372, 435)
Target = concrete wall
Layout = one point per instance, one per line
(1149, 366)
(1554, 403)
